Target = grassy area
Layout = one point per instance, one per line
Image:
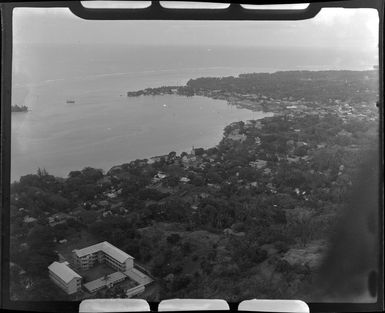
(127, 284)
(200, 242)
(96, 272)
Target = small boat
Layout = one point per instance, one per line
(70, 101)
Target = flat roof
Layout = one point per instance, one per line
(101, 282)
(107, 248)
(63, 271)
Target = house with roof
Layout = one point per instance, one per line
(235, 135)
(156, 159)
(28, 219)
(58, 218)
(184, 180)
(188, 159)
(65, 277)
(258, 164)
(158, 177)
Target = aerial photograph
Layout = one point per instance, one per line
(194, 159)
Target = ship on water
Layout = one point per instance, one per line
(70, 101)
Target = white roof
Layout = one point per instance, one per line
(63, 271)
(107, 248)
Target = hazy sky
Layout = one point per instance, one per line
(331, 28)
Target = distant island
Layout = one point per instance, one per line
(17, 108)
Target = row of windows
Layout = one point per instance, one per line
(114, 263)
(101, 287)
(86, 261)
(111, 258)
(119, 266)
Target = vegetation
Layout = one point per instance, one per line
(17, 108)
(222, 221)
(349, 86)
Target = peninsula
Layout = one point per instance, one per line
(283, 92)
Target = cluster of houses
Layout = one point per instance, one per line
(295, 108)
(52, 219)
(108, 202)
(58, 218)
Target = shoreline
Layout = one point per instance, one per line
(207, 135)
(254, 101)
(271, 191)
(257, 102)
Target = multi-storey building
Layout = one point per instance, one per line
(84, 259)
(102, 252)
(64, 277)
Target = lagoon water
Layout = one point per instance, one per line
(103, 127)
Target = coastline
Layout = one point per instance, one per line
(270, 190)
(256, 100)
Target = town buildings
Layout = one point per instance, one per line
(84, 259)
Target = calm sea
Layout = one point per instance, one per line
(104, 127)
